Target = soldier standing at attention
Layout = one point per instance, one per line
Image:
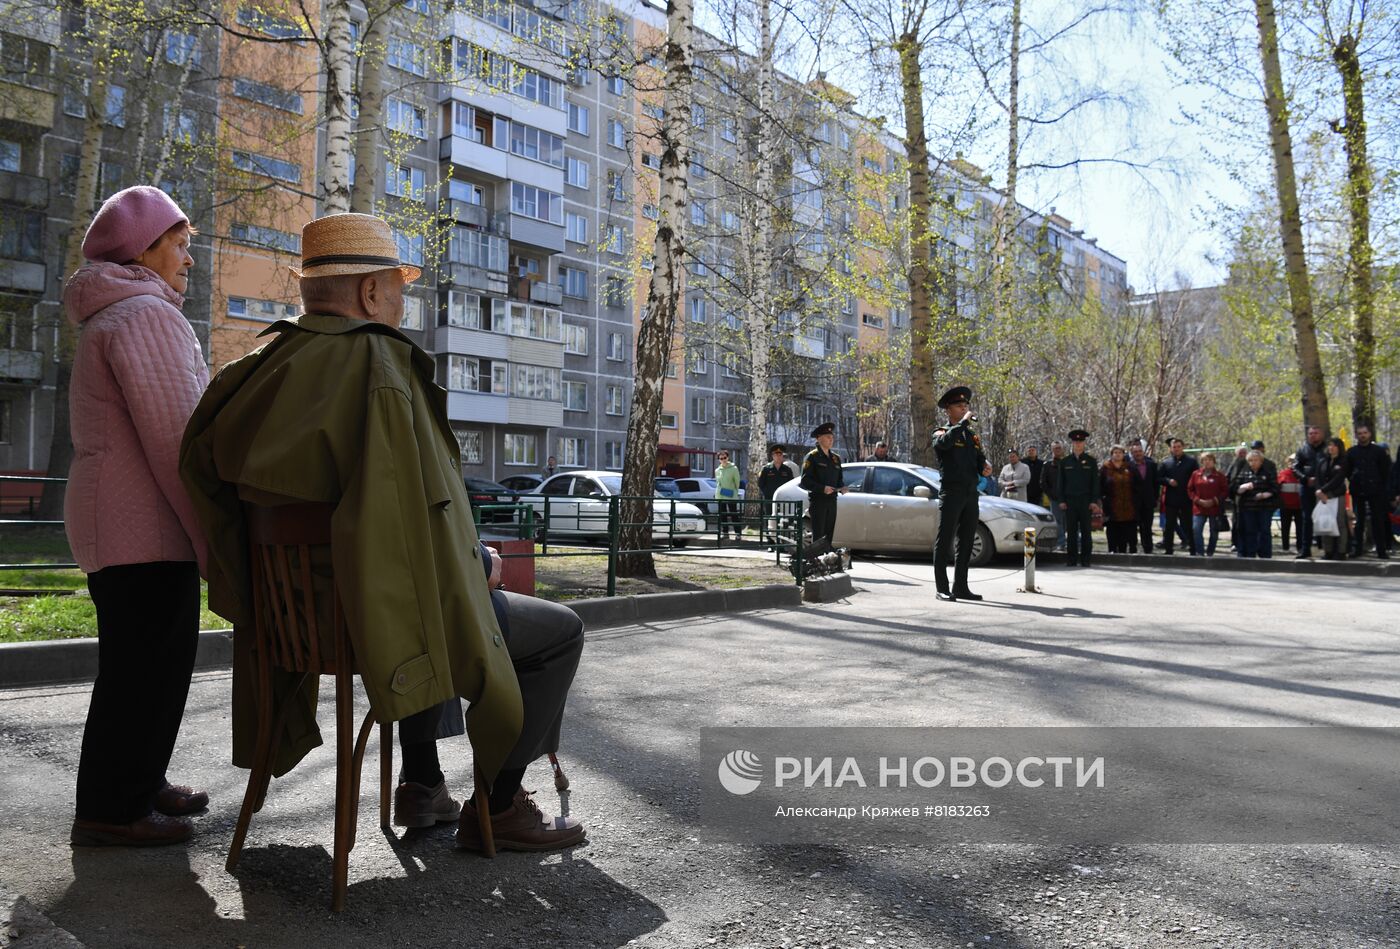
(822, 480)
(1078, 475)
(960, 457)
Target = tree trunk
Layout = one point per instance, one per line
(759, 303)
(369, 127)
(657, 332)
(1291, 221)
(339, 59)
(922, 398)
(1361, 257)
(84, 207)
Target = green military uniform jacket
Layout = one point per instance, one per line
(1077, 479)
(345, 412)
(960, 458)
(819, 470)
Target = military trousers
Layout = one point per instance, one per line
(957, 522)
(823, 516)
(1079, 527)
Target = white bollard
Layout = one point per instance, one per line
(1030, 562)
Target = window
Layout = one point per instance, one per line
(9, 156)
(697, 116)
(894, 481)
(75, 100)
(698, 308)
(617, 134)
(614, 403)
(408, 56)
(652, 161)
(463, 309)
(576, 172)
(612, 452)
(406, 182)
(697, 212)
(699, 365)
(530, 142)
(417, 6)
(729, 130)
(671, 370)
(410, 247)
(843, 138)
(615, 292)
(109, 176)
(22, 235)
(412, 313)
(269, 24)
(24, 59)
(614, 244)
(266, 237)
(574, 282)
(651, 212)
(701, 465)
(407, 118)
(616, 190)
(182, 48)
(653, 111)
(519, 449)
(529, 201)
(576, 339)
(616, 347)
(735, 414)
(68, 173)
(668, 419)
(697, 170)
(731, 365)
(181, 126)
(534, 322)
(257, 164)
(477, 249)
(575, 396)
(573, 452)
(870, 319)
(540, 383)
(269, 95)
(463, 374)
(116, 106)
(700, 410)
(615, 85)
(469, 443)
(576, 228)
(261, 311)
(578, 118)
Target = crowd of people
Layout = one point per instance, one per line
(1194, 499)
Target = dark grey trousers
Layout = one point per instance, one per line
(545, 641)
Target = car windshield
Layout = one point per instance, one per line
(611, 483)
(667, 488)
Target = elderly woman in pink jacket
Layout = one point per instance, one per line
(137, 375)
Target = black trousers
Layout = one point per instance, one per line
(957, 521)
(1376, 511)
(1305, 525)
(1122, 535)
(545, 642)
(147, 633)
(1180, 525)
(1144, 527)
(1079, 531)
(1287, 518)
(823, 516)
(729, 519)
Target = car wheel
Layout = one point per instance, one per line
(982, 547)
(679, 543)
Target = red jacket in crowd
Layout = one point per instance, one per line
(1207, 489)
(1290, 489)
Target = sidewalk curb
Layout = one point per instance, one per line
(75, 660)
(1228, 562)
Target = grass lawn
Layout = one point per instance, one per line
(65, 615)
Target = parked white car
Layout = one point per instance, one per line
(700, 492)
(578, 507)
(895, 507)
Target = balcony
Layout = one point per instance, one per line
(537, 291)
(29, 191)
(467, 277)
(535, 412)
(23, 275)
(462, 341)
(483, 407)
(472, 215)
(21, 365)
(539, 235)
(481, 159)
(24, 103)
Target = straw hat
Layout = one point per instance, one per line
(344, 244)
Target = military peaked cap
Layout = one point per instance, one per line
(1078, 435)
(955, 394)
(825, 428)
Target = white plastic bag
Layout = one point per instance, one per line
(1325, 518)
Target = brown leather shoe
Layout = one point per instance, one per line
(153, 830)
(523, 827)
(416, 805)
(177, 800)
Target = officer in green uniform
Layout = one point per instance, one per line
(1078, 479)
(960, 458)
(822, 480)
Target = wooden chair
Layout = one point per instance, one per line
(287, 637)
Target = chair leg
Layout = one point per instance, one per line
(483, 818)
(344, 803)
(261, 771)
(386, 771)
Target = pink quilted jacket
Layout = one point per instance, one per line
(137, 375)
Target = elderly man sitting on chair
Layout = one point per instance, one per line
(340, 408)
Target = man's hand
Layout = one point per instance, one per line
(1064, 506)
(844, 489)
(495, 582)
(1247, 486)
(1172, 482)
(828, 489)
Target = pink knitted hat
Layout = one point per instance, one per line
(129, 222)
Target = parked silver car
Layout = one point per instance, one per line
(578, 507)
(895, 507)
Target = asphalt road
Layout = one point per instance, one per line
(1108, 647)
